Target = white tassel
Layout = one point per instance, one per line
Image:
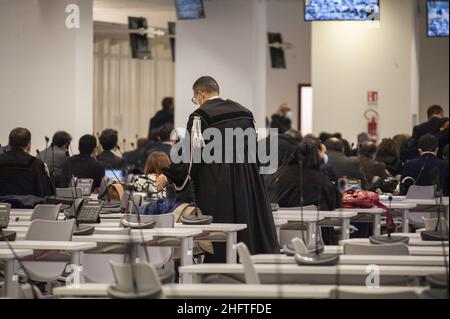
(197, 136)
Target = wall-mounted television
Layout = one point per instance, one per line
(437, 19)
(190, 9)
(342, 10)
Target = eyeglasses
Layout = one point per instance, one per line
(195, 100)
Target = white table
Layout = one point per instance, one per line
(76, 249)
(296, 215)
(230, 230)
(11, 283)
(238, 291)
(311, 271)
(360, 260)
(416, 202)
(413, 241)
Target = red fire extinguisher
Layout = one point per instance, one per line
(372, 118)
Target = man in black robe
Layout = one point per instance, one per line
(230, 192)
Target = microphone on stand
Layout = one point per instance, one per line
(124, 145)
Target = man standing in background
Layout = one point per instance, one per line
(161, 117)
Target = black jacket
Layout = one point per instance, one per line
(83, 166)
(23, 174)
(435, 171)
(161, 117)
(283, 124)
(110, 161)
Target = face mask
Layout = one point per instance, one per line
(289, 115)
(325, 159)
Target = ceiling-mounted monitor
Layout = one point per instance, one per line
(190, 9)
(437, 19)
(342, 10)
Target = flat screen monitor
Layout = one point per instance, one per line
(190, 9)
(115, 174)
(437, 19)
(342, 10)
(140, 46)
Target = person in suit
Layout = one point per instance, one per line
(108, 140)
(84, 165)
(161, 117)
(133, 159)
(55, 155)
(388, 153)
(341, 164)
(282, 120)
(20, 172)
(436, 125)
(369, 166)
(427, 169)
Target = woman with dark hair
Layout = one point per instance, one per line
(302, 182)
(305, 169)
(389, 154)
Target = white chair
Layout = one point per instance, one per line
(368, 293)
(45, 212)
(430, 223)
(251, 277)
(420, 192)
(368, 249)
(48, 268)
(138, 280)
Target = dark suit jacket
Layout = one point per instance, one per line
(161, 117)
(110, 161)
(434, 170)
(23, 174)
(344, 166)
(83, 166)
(283, 124)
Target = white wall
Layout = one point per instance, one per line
(286, 17)
(434, 68)
(351, 58)
(45, 70)
(227, 45)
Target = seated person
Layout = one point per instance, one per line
(162, 201)
(304, 175)
(389, 154)
(55, 155)
(341, 164)
(132, 158)
(369, 166)
(427, 169)
(108, 140)
(326, 167)
(163, 142)
(20, 172)
(84, 165)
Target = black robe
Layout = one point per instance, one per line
(234, 192)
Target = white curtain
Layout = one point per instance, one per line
(128, 92)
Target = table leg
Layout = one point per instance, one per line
(76, 258)
(376, 227)
(311, 234)
(11, 284)
(345, 228)
(187, 245)
(405, 222)
(231, 251)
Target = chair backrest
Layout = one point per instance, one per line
(366, 293)
(251, 277)
(368, 249)
(430, 223)
(306, 208)
(71, 192)
(50, 230)
(299, 246)
(143, 275)
(164, 220)
(45, 212)
(420, 192)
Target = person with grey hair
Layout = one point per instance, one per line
(229, 190)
